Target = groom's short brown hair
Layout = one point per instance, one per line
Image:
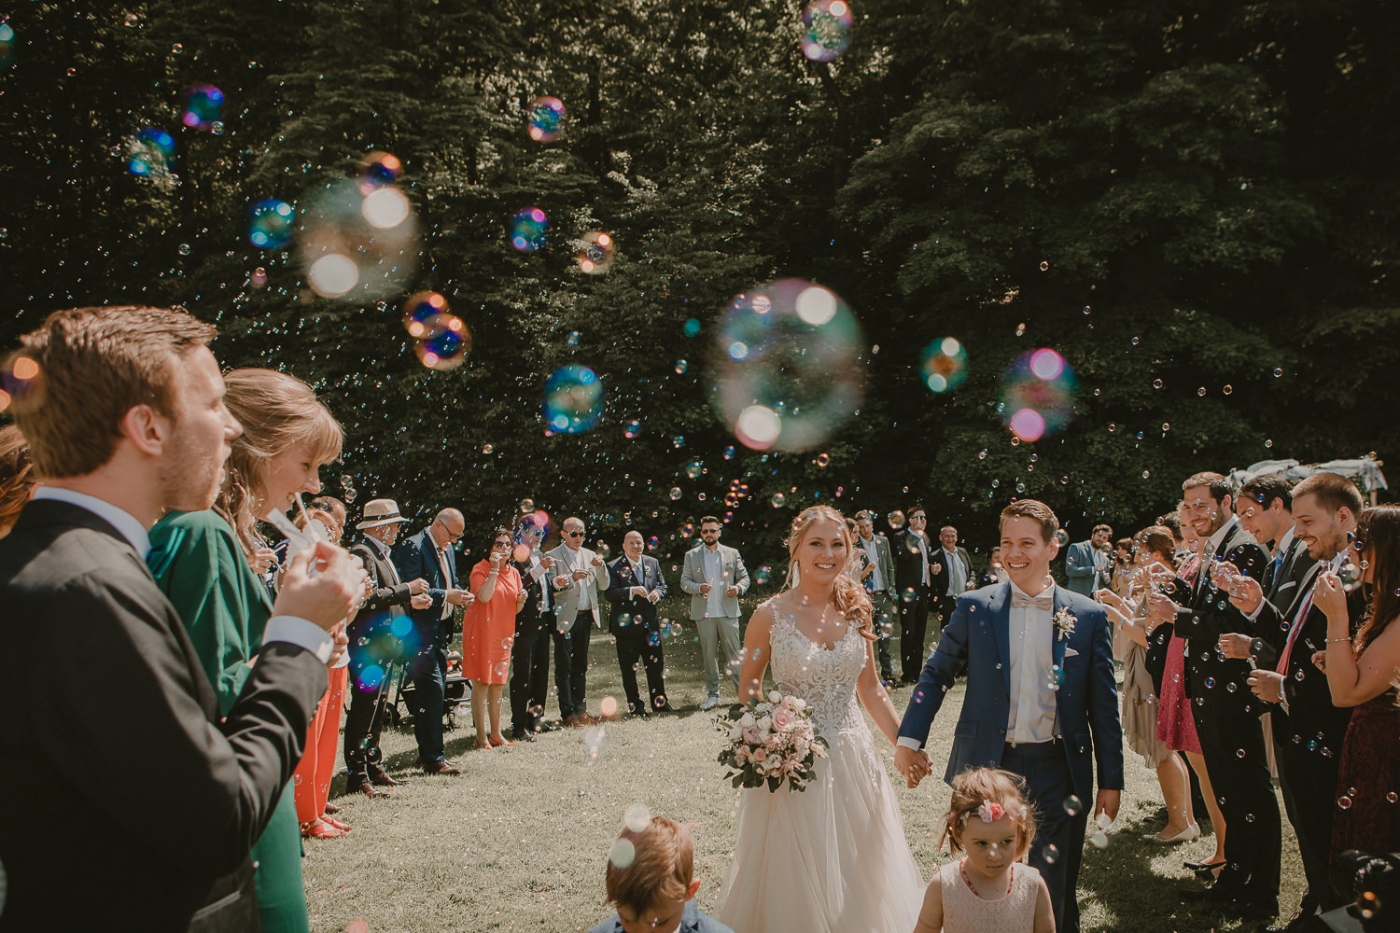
(92, 366)
(662, 866)
(1038, 512)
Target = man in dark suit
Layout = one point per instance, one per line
(125, 421)
(1225, 709)
(1041, 700)
(1307, 728)
(635, 585)
(1265, 509)
(381, 635)
(429, 556)
(911, 576)
(950, 575)
(534, 630)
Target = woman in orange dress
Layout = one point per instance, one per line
(487, 632)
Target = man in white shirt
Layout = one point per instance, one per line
(877, 573)
(125, 420)
(951, 574)
(715, 577)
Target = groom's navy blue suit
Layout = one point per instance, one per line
(1087, 709)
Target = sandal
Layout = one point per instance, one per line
(337, 824)
(319, 829)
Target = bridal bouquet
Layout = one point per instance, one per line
(768, 743)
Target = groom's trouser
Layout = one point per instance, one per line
(717, 633)
(1059, 837)
(913, 624)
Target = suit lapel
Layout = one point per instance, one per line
(999, 606)
(1304, 586)
(1058, 644)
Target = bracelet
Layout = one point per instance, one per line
(1330, 640)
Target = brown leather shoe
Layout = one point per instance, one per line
(368, 789)
(587, 718)
(382, 779)
(332, 808)
(439, 767)
(573, 721)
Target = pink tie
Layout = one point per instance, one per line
(1293, 632)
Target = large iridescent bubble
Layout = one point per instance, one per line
(150, 153)
(786, 367)
(529, 230)
(596, 251)
(1037, 394)
(354, 247)
(826, 29)
(573, 400)
(944, 365)
(445, 346)
(204, 107)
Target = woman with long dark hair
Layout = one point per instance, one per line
(1361, 673)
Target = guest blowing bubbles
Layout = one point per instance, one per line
(487, 632)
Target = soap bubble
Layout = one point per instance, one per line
(786, 371)
(420, 313)
(446, 346)
(676, 493)
(895, 520)
(271, 224)
(945, 365)
(779, 500)
(378, 170)
(546, 119)
(631, 430)
(573, 400)
(1038, 394)
(826, 30)
(691, 328)
(204, 105)
(762, 575)
(694, 468)
(529, 229)
(347, 255)
(150, 152)
(681, 367)
(385, 208)
(637, 818)
(595, 253)
(7, 58)
(593, 738)
(608, 707)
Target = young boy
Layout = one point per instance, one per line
(651, 880)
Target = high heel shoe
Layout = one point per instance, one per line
(1204, 870)
(1188, 834)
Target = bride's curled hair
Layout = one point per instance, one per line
(849, 596)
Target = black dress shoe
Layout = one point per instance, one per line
(522, 735)
(382, 779)
(668, 708)
(638, 710)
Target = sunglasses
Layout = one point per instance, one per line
(450, 535)
(573, 534)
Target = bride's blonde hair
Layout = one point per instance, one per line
(849, 596)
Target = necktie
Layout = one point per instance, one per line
(1045, 600)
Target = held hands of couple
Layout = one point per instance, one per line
(913, 764)
(327, 598)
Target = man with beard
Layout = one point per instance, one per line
(125, 418)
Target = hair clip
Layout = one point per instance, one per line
(990, 811)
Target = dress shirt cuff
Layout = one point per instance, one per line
(300, 632)
(1254, 616)
(1283, 702)
(905, 741)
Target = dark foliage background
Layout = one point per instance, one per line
(1211, 187)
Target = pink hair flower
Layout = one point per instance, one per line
(990, 811)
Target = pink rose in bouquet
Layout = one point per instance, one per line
(771, 742)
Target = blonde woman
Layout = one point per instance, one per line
(835, 853)
(204, 562)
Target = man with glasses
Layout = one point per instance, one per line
(715, 577)
(429, 555)
(912, 577)
(580, 577)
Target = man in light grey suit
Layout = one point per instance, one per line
(580, 576)
(877, 573)
(1087, 563)
(715, 577)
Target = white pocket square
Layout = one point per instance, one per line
(1071, 653)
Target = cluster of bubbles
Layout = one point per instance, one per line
(348, 492)
(826, 30)
(204, 108)
(358, 238)
(1037, 395)
(786, 371)
(441, 339)
(944, 365)
(573, 401)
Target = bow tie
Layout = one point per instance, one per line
(1045, 600)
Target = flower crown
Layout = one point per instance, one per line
(990, 811)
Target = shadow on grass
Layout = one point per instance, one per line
(1121, 882)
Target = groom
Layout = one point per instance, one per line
(1040, 698)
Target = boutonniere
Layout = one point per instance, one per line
(1064, 624)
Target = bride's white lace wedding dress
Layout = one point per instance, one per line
(832, 857)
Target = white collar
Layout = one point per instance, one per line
(379, 546)
(1049, 587)
(1220, 533)
(950, 553)
(1285, 542)
(127, 524)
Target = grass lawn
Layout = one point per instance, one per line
(519, 841)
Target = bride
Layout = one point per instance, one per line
(832, 857)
